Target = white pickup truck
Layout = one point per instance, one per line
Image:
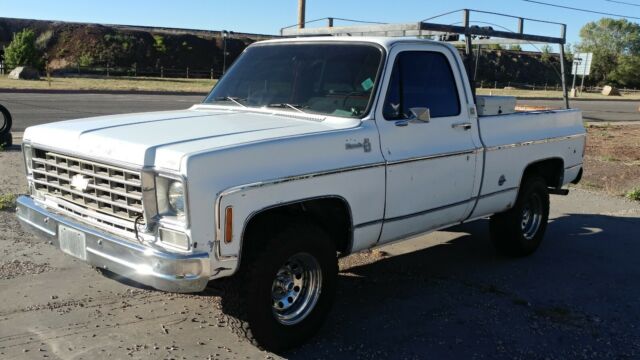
(306, 150)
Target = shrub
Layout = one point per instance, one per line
(7, 201)
(85, 59)
(22, 50)
(634, 194)
(159, 44)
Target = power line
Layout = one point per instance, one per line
(623, 2)
(582, 10)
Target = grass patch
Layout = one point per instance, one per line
(634, 194)
(7, 202)
(609, 158)
(112, 83)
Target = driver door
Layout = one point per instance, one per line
(431, 164)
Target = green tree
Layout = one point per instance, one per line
(515, 47)
(627, 72)
(22, 50)
(614, 43)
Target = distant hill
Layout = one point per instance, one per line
(149, 49)
(68, 44)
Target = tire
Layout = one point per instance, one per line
(6, 140)
(263, 310)
(7, 122)
(520, 230)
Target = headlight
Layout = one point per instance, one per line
(171, 198)
(176, 197)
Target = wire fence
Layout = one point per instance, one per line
(215, 73)
(511, 85)
(132, 71)
(135, 71)
(545, 86)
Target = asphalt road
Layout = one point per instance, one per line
(598, 110)
(30, 109)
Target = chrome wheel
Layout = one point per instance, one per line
(296, 289)
(531, 216)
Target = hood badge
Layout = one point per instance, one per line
(80, 182)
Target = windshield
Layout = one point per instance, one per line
(328, 79)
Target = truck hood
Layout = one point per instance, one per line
(163, 139)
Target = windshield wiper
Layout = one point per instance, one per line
(232, 99)
(285, 105)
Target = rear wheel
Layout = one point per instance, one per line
(5, 127)
(285, 288)
(520, 230)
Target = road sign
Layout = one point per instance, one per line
(582, 64)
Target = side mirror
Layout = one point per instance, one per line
(420, 114)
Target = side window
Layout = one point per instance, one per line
(421, 79)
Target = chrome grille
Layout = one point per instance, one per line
(104, 188)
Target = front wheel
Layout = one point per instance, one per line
(286, 288)
(520, 230)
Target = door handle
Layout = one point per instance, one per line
(464, 126)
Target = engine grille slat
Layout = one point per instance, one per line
(131, 195)
(104, 188)
(67, 169)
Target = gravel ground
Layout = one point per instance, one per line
(445, 295)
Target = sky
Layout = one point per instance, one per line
(267, 17)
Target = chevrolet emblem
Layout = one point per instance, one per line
(80, 182)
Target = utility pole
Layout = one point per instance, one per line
(301, 13)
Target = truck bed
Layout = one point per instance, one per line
(513, 141)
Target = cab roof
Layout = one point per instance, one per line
(385, 42)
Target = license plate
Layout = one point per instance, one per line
(72, 242)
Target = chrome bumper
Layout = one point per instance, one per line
(149, 266)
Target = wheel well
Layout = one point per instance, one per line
(552, 170)
(332, 214)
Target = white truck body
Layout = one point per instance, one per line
(397, 179)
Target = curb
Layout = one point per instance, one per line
(574, 99)
(101, 92)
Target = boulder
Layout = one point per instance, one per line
(610, 91)
(24, 73)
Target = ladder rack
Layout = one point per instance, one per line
(448, 33)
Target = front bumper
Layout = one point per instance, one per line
(149, 266)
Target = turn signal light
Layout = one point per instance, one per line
(228, 224)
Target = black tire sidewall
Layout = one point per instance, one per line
(7, 121)
(268, 332)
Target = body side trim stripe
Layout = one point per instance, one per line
(535, 142)
(423, 212)
(435, 156)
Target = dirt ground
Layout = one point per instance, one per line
(612, 161)
(446, 295)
